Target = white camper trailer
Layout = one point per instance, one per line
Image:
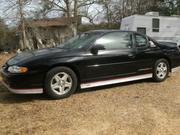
(161, 28)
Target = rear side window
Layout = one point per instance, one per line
(116, 40)
(141, 41)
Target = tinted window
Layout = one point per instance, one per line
(155, 25)
(80, 41)
(115, 40)
(141, 41)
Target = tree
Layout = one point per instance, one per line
(17, 8)
(22, 22)
(173, 6)
(8, 37)
(3, 33)
(178, 7)
(68, 8)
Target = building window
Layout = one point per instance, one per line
(155, 24)
(141, 30)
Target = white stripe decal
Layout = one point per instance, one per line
(115, 81)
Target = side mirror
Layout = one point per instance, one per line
(152, 44)
(96, 48)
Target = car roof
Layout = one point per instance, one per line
(108, 30)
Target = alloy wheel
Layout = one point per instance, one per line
(161, 70)
(61, 83)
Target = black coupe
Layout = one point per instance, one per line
(92, 59)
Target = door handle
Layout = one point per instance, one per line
(131, 55)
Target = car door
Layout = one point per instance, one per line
(145, 54)
(116, 60)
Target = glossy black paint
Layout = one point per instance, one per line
(89, 65)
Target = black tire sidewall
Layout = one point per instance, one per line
(155, 77)
(51, 74)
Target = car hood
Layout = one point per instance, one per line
(166, 45)
(31, 55)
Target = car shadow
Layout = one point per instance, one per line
(9, 98)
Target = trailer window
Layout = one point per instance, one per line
(141, 30)
(155, 24)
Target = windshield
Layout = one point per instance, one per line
(79, 42)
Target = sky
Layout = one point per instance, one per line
(11, 15)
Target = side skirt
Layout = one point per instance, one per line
(115, 81)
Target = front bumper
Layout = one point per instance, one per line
(21, 84)
(23, 91)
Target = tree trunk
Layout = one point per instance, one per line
(68, 12)
(76, 18)
(23, 31)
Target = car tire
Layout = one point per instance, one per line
(60, 82)
(161, 70)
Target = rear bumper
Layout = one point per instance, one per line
(23, 91)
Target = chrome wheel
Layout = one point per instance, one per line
(162, 70)
(61, 83)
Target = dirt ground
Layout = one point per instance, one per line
(138, 108)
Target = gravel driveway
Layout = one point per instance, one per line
(138, 108)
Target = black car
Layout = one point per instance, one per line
(92, 59)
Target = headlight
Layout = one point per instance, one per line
(17, 69)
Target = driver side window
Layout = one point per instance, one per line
(116, 41)
(141, 41)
